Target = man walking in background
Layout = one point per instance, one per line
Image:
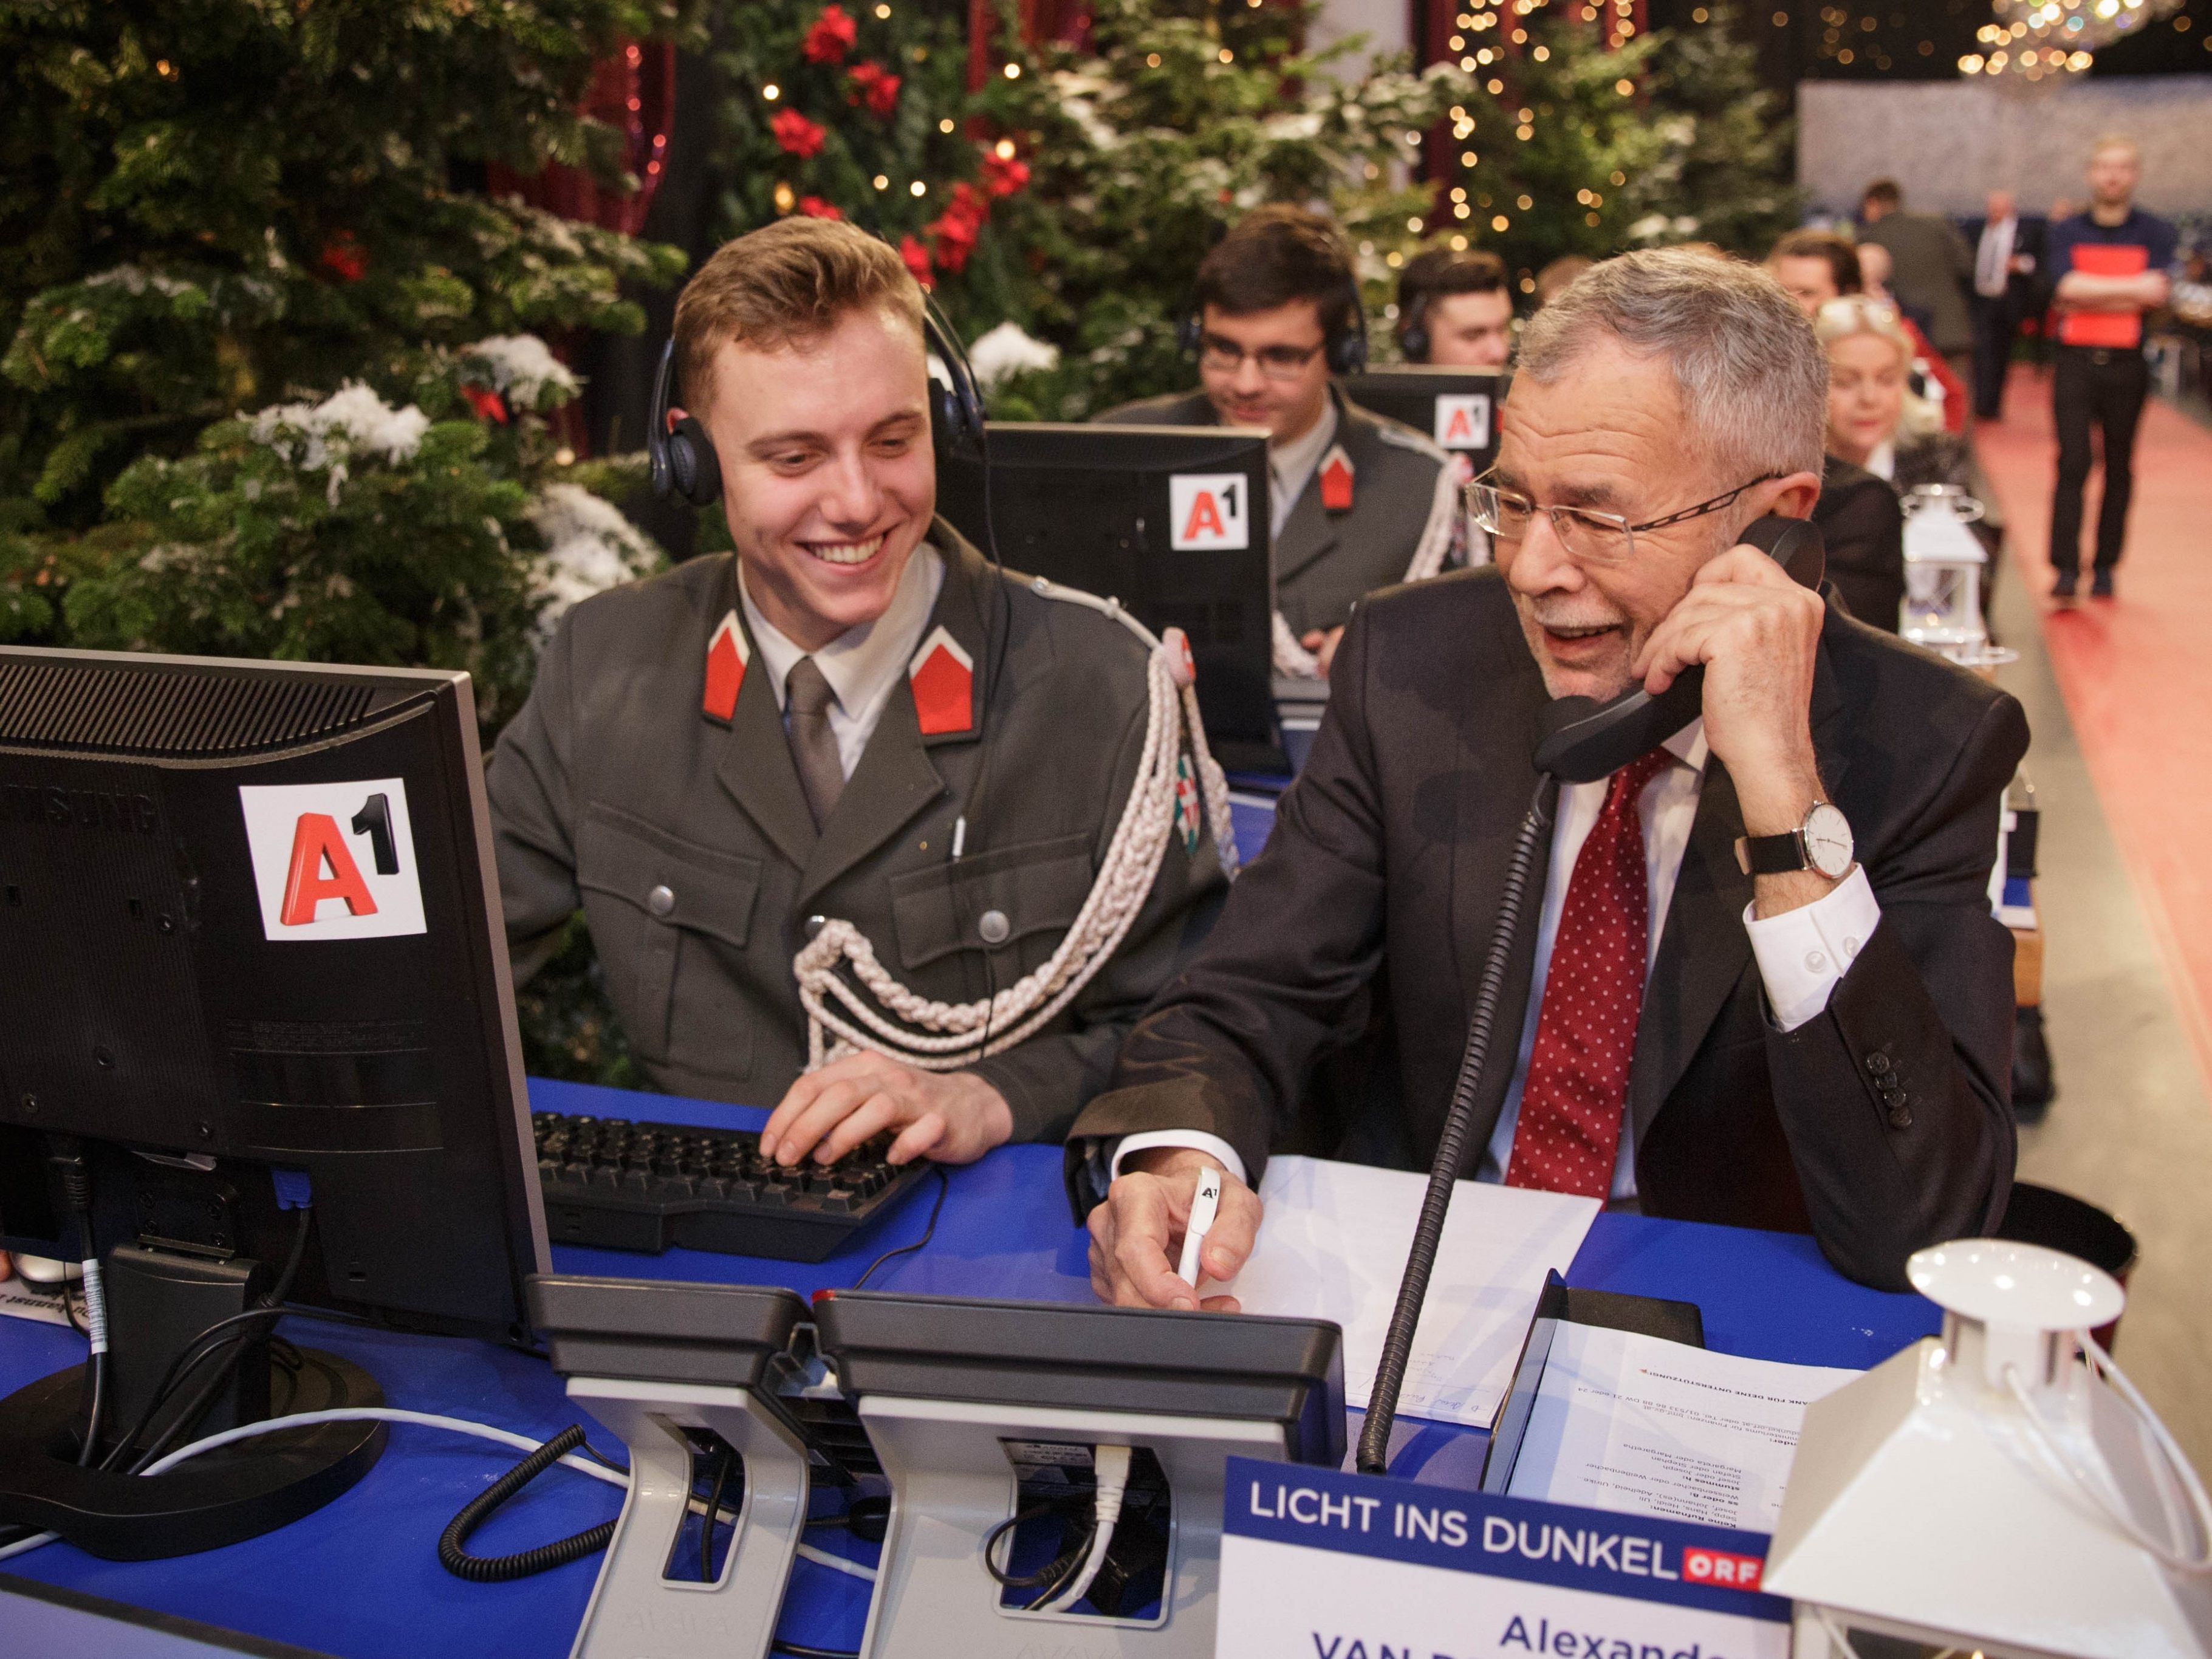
(2005, 262)
(2110, 267)
(1931, 267)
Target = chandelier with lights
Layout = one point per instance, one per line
(2034, 39)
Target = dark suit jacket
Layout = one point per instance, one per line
(1391, 848)
(1863, 526)
(613, 784)
(1326, 561)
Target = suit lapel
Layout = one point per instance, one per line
(1704, 948)
(1497, 778)
(755, 764)
(1311, 530)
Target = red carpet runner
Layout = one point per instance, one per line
(2135, 671)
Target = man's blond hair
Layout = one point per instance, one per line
(785, 283)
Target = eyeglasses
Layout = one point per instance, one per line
(1590, 536)
(1277, 362)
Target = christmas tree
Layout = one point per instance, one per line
(273, 389)
(1728, 177)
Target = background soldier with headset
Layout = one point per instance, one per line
(1454, 310)
(1358, 502)
(854, 757)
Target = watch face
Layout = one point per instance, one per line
(1828, 845)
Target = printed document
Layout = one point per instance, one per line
(1332, 1245)
(1628, 1422)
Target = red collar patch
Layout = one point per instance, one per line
(727, 657)
(1336, 470)
(943, 677)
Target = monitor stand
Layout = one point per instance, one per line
(232, 1492)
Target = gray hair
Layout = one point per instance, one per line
(1752, 379)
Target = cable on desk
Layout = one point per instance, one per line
(927, 1233)
(799, 1650)
(542, 1558)
(713, 1514)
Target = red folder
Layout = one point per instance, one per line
(2105, 328)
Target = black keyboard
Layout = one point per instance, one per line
(618, 1185)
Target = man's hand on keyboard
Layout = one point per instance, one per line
(1136, 1234)
(954, 1118)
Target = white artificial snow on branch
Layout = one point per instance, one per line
(589, 548)
(352, 421)
(521, 366)
(1006, 351)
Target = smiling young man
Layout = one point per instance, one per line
(1762, 987)
(1358, 501)
(853, 717)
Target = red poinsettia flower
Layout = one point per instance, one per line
(344, 257)
(917, 259)
(486, 403)
(796, 134)
(874, 87)
(1004, 174)
(815, 208)
(953, 233)
(832, 37)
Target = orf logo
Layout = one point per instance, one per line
(333, 861)
(1704, 1566)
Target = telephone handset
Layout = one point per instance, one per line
(1584, 740)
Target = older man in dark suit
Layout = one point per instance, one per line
(1823, 1045)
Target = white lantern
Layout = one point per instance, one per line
(1943, 565)
(1984, 1492)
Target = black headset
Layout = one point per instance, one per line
(1413, 338)
(682, 461)
(1348, 341)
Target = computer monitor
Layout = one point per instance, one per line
(1457, 407)
(250, 951)
(1173, 521)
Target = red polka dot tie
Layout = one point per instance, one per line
(1569, 1131)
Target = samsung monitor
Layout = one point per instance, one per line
(1456, 407)
(1173, 521)
(253, 993)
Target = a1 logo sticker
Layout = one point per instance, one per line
(1209, 510)
(1463, 419)
(333, 861)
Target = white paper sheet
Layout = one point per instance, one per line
(1332, 1245)
(1632, 1423)
(16, 1302)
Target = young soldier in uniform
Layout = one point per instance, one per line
(1358, 501)
(854, 719)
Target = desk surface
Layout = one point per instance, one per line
(360, 1577)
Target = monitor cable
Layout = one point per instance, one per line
(67, 1154)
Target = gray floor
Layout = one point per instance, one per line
(2131, 1129)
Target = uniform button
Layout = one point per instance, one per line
(1877, 1062)
(993, 926)
(1901, 1116)
(815, 924)
(1815, 962)
(660, 900)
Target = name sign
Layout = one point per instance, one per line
(1320, 1564)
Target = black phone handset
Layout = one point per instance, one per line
(1585, 740)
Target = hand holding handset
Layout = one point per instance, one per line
(1585, 740)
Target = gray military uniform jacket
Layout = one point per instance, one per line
(688, 842)
(1326, 561)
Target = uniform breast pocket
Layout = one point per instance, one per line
(660, 906)
(1014, 903)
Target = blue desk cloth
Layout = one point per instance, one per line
(361, 1578)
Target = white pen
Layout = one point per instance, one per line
(1203, 1208)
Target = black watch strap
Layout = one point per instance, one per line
(1772, 855)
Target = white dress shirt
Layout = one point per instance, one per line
(1802, 954)
(1993, 260)
(864, 663)
(1881, 461)
(1292, 464)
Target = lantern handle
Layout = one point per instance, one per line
(2097, 1489)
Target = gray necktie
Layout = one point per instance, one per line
(806, 699)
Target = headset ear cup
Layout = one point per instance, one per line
(1189, 333)
(692, 467)
(1415, 343)
(1349, 354)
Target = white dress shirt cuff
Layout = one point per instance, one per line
(1196, 1139)
(1804, 952)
